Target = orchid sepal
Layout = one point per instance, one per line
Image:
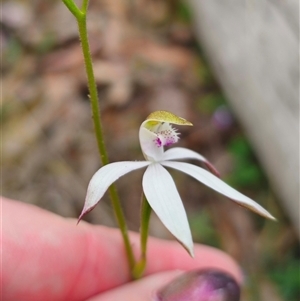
(218, 185)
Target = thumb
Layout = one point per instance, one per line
(196, 285)
(141, 290)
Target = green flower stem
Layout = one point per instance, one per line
(80, 16)
(145, 219)
(73, 8)
(84, 7)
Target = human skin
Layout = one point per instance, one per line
(48, 257)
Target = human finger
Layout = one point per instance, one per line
(47, 255)
(195, 285)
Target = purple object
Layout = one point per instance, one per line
(222, 118)
(204, 285)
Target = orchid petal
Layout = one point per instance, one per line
(185, 153)
(150, 149)
(218, 185)
(163, 197)
(103, 178)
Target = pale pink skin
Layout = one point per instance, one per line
(47, 257)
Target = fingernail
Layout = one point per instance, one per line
(207, 285)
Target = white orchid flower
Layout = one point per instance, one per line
(158, 185)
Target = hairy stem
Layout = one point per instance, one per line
(144, 231)
(80, 15)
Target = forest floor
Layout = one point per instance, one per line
(146, 58)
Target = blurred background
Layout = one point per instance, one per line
(147, 56)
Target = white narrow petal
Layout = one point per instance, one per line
(178, 153)
(218, 185)
(150, 149)
(103, 178)
(163, 197)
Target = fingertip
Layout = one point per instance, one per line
(166, 255)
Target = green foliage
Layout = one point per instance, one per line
(183, 12)
(210, 102)
(247, 172)
(5, 109)
(46, 44)
(203, 71)
(12, 52)
(287, 277)
(203, 230)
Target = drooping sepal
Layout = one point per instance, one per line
(218, 185)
